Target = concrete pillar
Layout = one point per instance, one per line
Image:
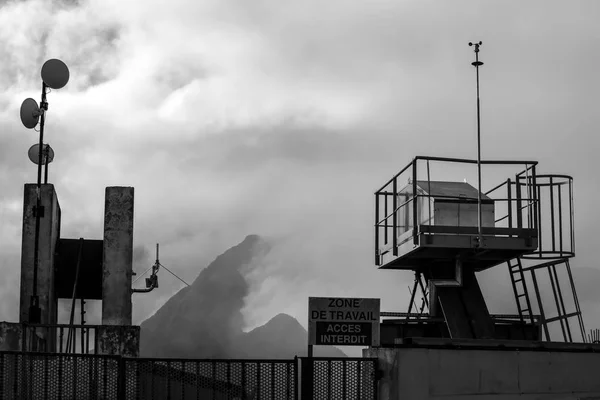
(48, 237)
(11, 335)
(119, 340)
(387, 364)
(118, 256)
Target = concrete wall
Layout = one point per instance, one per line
(118, 256)
(119, 340)
(48, 237)
(11, 336)
(452, 374)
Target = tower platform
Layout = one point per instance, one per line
(439, 243)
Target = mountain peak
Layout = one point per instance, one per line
(283, 319)
(279, 324)
(209, 320)
(252, 239)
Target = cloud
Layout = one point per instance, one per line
(281, 119)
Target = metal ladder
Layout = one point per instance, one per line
(424, 294)
(517, 278)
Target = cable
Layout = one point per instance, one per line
(172, 273)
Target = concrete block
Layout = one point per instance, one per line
(119, 340)
(492, 372)
(48, 237)
(475, 373)
(11, 335)
(388, 366)
(559, 372)
(118, 256)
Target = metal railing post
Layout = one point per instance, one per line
(415, 204)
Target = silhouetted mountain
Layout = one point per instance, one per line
(204, 320)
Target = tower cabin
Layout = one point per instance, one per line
(451, 205)
(447, 215)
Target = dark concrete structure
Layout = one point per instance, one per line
(121, 340)
(49, 235)
(477, 369)
(10, 336)
(87, 269)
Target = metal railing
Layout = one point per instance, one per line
(426, 317)
(210, 379)
(26, 375)
(404, 211)
(555, 217)
(60, 338)
(59, 376)
(85, 376)
(339, 378)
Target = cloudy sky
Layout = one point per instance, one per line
(281, 119)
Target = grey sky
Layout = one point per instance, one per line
(282, 119)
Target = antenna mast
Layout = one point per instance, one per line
(477, 64)
(55, 75)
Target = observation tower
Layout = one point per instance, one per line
(430, 220)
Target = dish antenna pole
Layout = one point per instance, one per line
(477, 64)
(55, 75)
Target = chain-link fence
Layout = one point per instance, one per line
(339, 378)
(58, 376)
(84, 376)
(210, 379)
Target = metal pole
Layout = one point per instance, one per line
(82, 311)
(34, 308)
(46, 153)
(72, 317)
(476, 64)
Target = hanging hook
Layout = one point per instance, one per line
(152, 282)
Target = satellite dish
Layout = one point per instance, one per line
(30, 113)
(34, 154)
(55, 74)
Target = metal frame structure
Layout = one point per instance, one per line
(555, 217)
(536, 231)
(338, 378)
(61, 338)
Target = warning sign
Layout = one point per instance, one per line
(343, 321)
